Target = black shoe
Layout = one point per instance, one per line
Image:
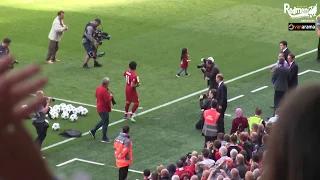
(93, 134)
(85, 66)
(272, 107)
(96, 64)
(105, 141)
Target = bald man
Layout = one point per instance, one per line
(241, 167)
(39, 119)
(194, 177)
(249, 176)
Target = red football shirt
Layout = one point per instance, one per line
(191, 167)
(103, 99)
(184, 173)
(184, 62)
(130, 77)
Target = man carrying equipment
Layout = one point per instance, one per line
(90, 44)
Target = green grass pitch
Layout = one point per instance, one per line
(242, 36)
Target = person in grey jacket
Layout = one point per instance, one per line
(280, 79)
(90, 44)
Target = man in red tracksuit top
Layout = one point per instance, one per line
(104, 108)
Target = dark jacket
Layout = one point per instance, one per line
(293, 82)
(212, 76)
(286, 53)
(222, 95)
(205, 103)
(3, 51)
(280, 78)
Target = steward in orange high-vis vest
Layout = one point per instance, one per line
(210, 126)
(123, 152)
(318, 32)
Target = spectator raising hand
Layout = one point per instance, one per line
(18, 152)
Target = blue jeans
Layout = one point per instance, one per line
(182, 69)
(104, 123)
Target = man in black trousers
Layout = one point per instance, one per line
(293, 82)
(280, 79)
(222, 99)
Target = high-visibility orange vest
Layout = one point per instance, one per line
(211, 117)
(123, 150)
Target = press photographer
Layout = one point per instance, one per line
(39, 118)
(210, 71)
(91, 40)
(204, 65)
(104, 99)
(205, 104)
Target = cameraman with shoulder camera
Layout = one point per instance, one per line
(211, 71)
(90, 44)
(39, 118)
(205, 104)
(104, 99)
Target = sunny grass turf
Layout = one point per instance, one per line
(241, 35)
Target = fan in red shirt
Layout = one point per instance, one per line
(132, 82)
(240, 123)
(183, 173)
(184, 62)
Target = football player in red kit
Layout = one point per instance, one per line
(132, 81)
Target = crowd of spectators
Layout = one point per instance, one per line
(235, 156)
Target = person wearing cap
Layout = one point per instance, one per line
(90, 44)
(104, 108)
(211, 72)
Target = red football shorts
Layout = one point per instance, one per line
(132, 97)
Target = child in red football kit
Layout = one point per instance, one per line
(184, 62)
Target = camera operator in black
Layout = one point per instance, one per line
(205, 104)
(90, 44)
(211, 71)
(39, 119)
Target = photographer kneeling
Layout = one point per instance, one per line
(90, 44)
(205, 104)
(39, 118)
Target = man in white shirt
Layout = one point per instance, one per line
(55, 35)
(275, 118)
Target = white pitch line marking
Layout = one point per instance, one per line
(90, 162)
(314, 71)
(237, 97)
(81, 160)
(303, 72)
(259, 89)
(182, 98)
(227, 115)
(67, 162)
